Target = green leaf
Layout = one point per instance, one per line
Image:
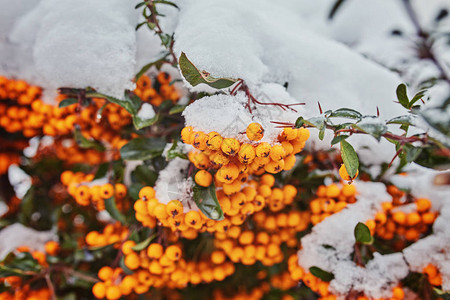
(402, 96)
(131, 104)
(319, 273)
(338, 139)
(140, 4)
(85, 143)
(174, 151)
(350, 158)
(142, 148)
(346, 113)
(166, 2)
(157, 63)
(102, 170)
(416, 98)
(144, 244)
(206, 200)
(67, 102)
(143, 174)
(111, 208)
(177, 109)
(299, 122)
(362, 234)
(196, 77)
(375, 128)
(166, 39)
(403, 120)
(140, 123)
(337, 4)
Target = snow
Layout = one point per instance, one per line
(20, 180)
(87, 44)
(146, 112)
(228, 115)
(174, 184)
(16, 235)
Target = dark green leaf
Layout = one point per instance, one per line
(166, 39)
(196, 77)
(402, 96)
(68, 101)
(142, 148)
(140, 4)
(346, 113)
(299, 122)
(166, 2)
(86, 143)
(350, 158)
(177, 109)
(102, 170)
(416, 98)
(131, 105)
(319, 273)
(111, 208)
(157, 63)
(140, 123)
(362, 234)
(337, 4)
(142, 245)
(143, 174)
(207, 202)
(338, 139)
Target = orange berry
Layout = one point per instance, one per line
(203, 178)
(155, 251)
(99, 290)
(173, 252)
(344, 174)
(423, 204)
(218, 257)
(263, 150)
(132, 261)
(174, 208)
(412, 219)
(147, 193)
(214, 141)
(193, 219)
(105, 273)
(113, 292)
(52, 248)
(255, 132)
(126, 247)
(230, 146)
(246, 154)
(107, 191)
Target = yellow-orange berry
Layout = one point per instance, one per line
(146, 193)
(289, 134)
(132, 261)
(423, 204)
(155, 251)
(113, 292)
(246, 153)
(173, 252)
(174, 208)
(126, 247)
(255, 131)
(52, 248)
(263, 150)
(193, 219)
(105, 273)
(274, 167)
(228, 173)
(203, 178)
(200, 139)
(344, 175)
(277, 153)
(107, 191)
(230, 146)
(99, 290)
(214, 140)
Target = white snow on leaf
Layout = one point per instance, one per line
(16, 235)
(146, 112)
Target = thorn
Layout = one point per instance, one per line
(378, 112)
(320, 107)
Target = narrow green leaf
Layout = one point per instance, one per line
(402, 96)
(111, 208)
(175, 151)
(157, 63)
(140, 4)
(142, 245)
(319, 273)
(67, 102)
(144, 175)
(131, 105)
(102, 170)
(299, 122)
(140, 123)
(85, 143)
(350, 158)
(338, 139)
(416, 98)
(346, 113)
(177, 109)
(207, 202)
(196, 77)
(142, 148)
(362, 234)
(167, 2)
(337, 4)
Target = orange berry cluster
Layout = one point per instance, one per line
(254, 294)
(160, 90)
(433, 275)
(232, 158)
(331, 199)
(22, 290)
(409, 226)
(112, 234)
(79, 187)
